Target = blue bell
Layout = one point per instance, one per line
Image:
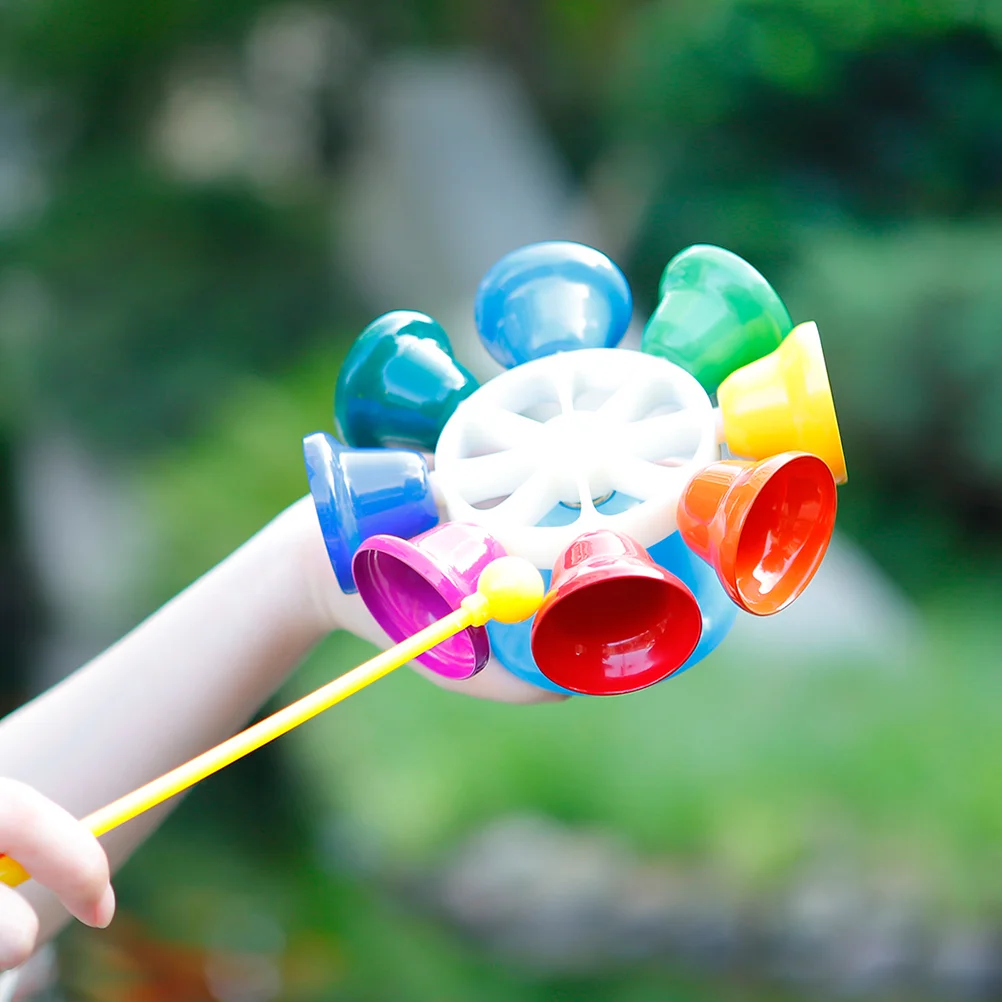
(551, 297)
(399, 384)
(360, 493)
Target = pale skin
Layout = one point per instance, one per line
(187, 678)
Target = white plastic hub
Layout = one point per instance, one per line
(552, 440)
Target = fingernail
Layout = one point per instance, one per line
(106, 909)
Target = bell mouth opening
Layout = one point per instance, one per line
(403, 602)
(785, 536)
(608, 638)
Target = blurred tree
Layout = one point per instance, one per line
(161, 295)
(765, 116)
(165, 275)
(20, 617)
(866, 136)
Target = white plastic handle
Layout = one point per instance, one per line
(564, 433)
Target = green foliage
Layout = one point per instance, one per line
(104, 55)
(850, 151)
(211, 493)
(912, 325)
(765, 116)
(160, 295)
(751, 769)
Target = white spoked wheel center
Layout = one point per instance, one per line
(601, 438)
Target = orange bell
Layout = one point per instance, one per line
(764, 527)
(613, 621)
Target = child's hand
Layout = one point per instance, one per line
(59, 853)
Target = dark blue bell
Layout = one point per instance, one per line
(360, 493)
(551, 297)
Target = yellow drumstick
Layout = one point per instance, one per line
(509, 590)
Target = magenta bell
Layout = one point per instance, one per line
(409, 584)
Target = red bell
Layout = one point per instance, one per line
(764, 527)
(613, 621)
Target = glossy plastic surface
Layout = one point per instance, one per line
(551, 297)
(361, 492)
(399, 384)
(715, 605)
(784, 402)
(407, 585)
(566, 432)
(764, 527)
(613, 621)
(513, 590)
(511, 644)
(716, 314)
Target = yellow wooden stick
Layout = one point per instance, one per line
(509, 590)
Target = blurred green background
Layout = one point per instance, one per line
(174, 305)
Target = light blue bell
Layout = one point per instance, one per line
(550, 297)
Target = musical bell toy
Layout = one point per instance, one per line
(580, 444)
(716, 314)
(783, 402)
(601, 464)
(764, 527)
(551, 297)
(399, 384)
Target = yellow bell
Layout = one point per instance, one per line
(783, 403)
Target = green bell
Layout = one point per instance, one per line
(716, 314)
(399, 384)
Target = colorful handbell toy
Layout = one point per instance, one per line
(600, 466)
(578, 520)
(764, 527)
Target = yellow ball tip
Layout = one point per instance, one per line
(513, 588)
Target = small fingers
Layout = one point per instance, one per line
(18, 929)
(58, 852)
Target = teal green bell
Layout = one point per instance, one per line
(716, 314)
(399, 384)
